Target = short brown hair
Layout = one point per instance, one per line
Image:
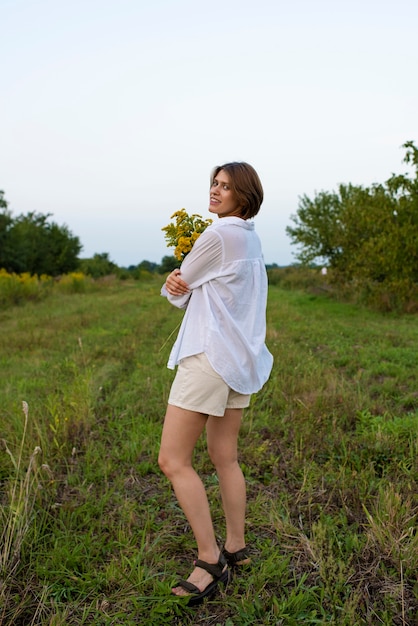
(246, 185)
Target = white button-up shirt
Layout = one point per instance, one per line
(226, 307)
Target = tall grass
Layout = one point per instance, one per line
(20, 492)
(329, 450)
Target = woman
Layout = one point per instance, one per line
(222, 359)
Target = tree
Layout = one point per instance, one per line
(369, 234)
(147, 266)
(5, 223)
(168, 264)
(3, 202)
(33, 244)
(98, 266)
(316, 223)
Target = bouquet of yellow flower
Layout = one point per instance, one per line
(184, 232)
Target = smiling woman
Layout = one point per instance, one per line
(235, 190)
(127, 112)
(222, 359)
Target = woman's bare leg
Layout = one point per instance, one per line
(222, 438)
(182, 429)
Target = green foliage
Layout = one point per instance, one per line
(6, 221)
(367, 235)
(20, 288)
(168, 264)
(98, 266)
(31, 243)
(17, 288)
(299, 277)
(147, 266)
(3, 202)
(75, 282)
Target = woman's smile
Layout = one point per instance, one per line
(222, 199)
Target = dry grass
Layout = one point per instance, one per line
(17, 509)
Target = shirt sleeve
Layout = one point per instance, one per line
(204, 261)
(201, 265)
(179, 301)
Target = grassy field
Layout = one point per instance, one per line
(90, 531)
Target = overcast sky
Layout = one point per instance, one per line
(113, 113)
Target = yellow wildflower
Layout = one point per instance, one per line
(183, 234)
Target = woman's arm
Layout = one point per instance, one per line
(204, 261)
(175, 285)
(176, 290)
(200, 265)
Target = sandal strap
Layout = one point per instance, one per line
(235, 557)
(188, 586)
(214, 569)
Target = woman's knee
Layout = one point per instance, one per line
(169, 464)
(166, 464)
(222, 458)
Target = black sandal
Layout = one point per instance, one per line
(241, 558)
(220, 575)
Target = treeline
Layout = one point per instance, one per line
(33, 244)
(100, 265)
(366, 236)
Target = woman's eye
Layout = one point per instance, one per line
(226, 187)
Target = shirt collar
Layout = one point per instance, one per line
(237, 221)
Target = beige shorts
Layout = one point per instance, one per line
(197, 387)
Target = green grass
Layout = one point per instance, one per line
(90, 530)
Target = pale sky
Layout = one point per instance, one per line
(113, 113)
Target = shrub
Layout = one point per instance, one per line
(16, 288)
(75, 282)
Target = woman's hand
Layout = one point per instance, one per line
(175, 285)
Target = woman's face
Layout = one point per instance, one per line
(222, 200)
